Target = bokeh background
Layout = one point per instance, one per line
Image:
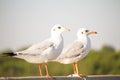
(25, 22)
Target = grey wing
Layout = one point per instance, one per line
(39, 48)
(74, 50)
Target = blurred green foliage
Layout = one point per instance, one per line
(98, 62)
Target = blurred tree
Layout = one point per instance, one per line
(108, 48)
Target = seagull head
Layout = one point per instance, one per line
(85, 32)
(58, 29)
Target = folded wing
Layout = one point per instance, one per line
(73, 50)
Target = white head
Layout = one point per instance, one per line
(84, 32)
(58, 29)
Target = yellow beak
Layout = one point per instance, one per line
(92, 32)
(66, 30)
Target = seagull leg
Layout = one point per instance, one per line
(40, 69)
(47, 73)
(77, 72)
(74, 68)
(46, 67)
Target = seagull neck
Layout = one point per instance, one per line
(83, 39)
(56, 37)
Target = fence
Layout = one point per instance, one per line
(91, 77)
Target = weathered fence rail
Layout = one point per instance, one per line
(91, 77)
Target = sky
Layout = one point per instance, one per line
(25, 22)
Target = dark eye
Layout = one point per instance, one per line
(82, 32)
(86, 30)
(59, 27)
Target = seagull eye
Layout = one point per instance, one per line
(82, 32)
(86, 30)
(59, 27)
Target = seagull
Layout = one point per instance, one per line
(77, 50)
(44, 51)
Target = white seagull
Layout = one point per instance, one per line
(77, 50)
(45, 51)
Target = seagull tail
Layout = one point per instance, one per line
(9, 54)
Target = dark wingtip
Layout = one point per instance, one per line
(9, 54)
